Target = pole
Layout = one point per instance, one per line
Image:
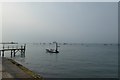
(11, 53)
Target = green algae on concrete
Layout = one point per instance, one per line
(26, 70)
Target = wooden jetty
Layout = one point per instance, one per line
(13, 50)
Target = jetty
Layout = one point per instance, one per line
(13, 49)
(12, 70)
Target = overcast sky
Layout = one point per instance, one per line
(0, 22)
(59, 0)
(63, 22)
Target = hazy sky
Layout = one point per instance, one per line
(0, 23)
(63, 22)
(59, 0)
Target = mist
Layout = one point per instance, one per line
(78, 22)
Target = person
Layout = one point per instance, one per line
(52, 50)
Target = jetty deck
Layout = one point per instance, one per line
(13, 70)
(13, 50)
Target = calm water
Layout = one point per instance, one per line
(73, 61)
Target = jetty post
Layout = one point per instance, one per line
(11, 53)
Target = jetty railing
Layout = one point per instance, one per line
(13, 49)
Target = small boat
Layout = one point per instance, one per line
(53, 50)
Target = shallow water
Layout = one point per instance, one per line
(73, 61)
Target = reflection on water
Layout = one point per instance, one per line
(19, 58)
(73, 61)
(53, 54)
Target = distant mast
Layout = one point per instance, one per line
(56, 47)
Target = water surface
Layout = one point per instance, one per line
(73, 61)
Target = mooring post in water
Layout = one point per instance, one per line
(0, 53)
(24, 46)
(14, 52)
(3, 53)
(11, 53)
(23, 50)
